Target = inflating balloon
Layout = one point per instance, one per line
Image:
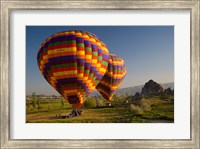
(112, 78)
(73, 62)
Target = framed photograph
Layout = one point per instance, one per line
(100, 74)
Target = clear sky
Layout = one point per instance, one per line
(148, 52)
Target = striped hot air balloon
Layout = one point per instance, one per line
(113, 77)
(73, 62)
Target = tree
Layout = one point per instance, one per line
(97, 101)
(62, 102)
(28, 103)
(38, 104)
(34, 100)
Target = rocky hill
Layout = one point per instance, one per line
(151, 88)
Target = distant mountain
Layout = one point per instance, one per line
(129, 90)
(168, 85)
(132, 90)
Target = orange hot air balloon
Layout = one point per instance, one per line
(73, 62)
(113, 78)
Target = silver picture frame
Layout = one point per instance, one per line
(193, 6)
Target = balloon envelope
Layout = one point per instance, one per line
(113, 77)
(73, 62)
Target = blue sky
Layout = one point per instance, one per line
(148, 52)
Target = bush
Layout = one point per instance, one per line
(135, 109)
(100, 102)
(145, 105)
(90, 103)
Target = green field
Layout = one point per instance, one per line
(122, 110)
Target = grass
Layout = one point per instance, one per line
(152, 110)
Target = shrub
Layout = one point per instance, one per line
(145, 105)
(135, 109)
(100, 103)
(90, 103)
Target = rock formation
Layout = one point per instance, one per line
(151, 88)
(168, 91)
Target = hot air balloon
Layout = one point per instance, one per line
(113, 77)
(73, 62)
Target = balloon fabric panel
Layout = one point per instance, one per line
(113, 78)
(73, 62)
